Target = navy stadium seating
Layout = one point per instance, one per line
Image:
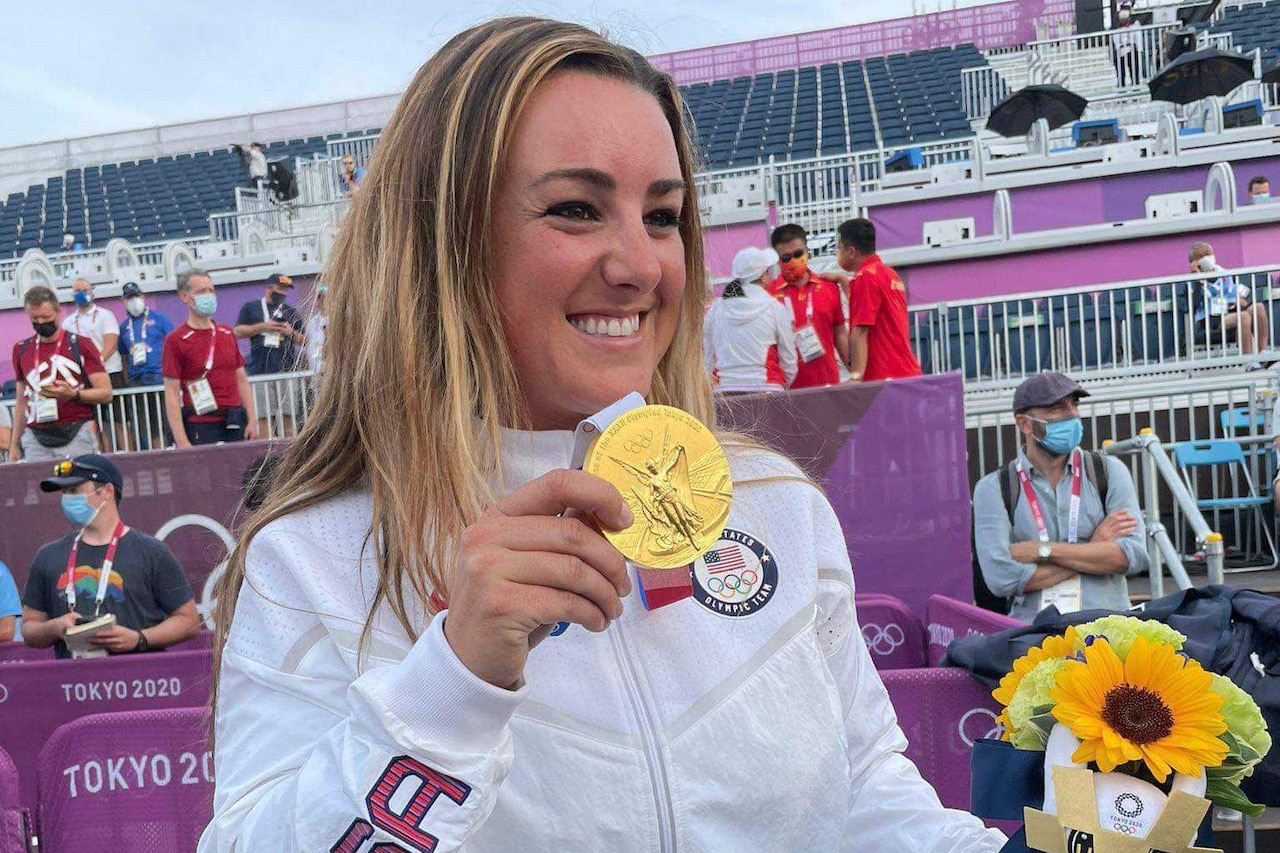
(823, 110)
(1254, 26)
(165, 198)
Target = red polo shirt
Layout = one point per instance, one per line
(878, 300)
(186, 351)
(35, 362)
(828, 315)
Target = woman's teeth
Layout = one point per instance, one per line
(608, 327)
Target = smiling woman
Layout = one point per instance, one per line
(425, 641)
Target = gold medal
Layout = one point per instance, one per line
(674, 476)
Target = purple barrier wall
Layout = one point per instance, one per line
(891, 457)
(14, 325)
(1087, 264)
(36, 698)
(948, 619)
(13, 834)
(993, 25)
(132, 782)
(721, 242)
(893, 634)
(942, 712)
(1043, 207)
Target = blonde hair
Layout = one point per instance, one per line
(412, 313)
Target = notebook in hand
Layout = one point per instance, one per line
(78, 636)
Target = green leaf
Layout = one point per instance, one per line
(1222, 793)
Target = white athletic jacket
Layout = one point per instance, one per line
(718, 723)
(747, 341)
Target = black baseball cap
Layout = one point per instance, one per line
(1045, 389)
(279, 280)
(131, 289)
(82, 469)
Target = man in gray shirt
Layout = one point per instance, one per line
(1035, 559)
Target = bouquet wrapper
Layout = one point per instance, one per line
(1067, 808)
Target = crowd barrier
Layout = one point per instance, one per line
(127, 782)
(36, 697)
(1123, 328)
(14, 827)
(943, 712)
(948, 619)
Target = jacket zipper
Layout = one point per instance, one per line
(649, 737)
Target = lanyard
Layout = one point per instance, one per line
(808, 317)
(133, 327)
(266, 315)
(213, 343)
(1073, 517)
(92, 313)
(104, 575)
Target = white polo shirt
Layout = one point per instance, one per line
(93, 324)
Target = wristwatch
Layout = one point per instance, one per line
(1044, 552)
(143, 645)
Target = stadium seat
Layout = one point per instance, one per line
(1024, 325)
(893, 634)
(127, 782)
(1087, 327)
(948, 619)
(970, 341)
(942, 712)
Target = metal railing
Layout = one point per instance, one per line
(279, 221)
(135, 418)
(360, 147)
(1123, 328)
(1157, 469)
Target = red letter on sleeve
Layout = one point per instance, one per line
(404, 825)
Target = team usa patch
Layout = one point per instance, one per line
(736, 577)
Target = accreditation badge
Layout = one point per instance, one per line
(202, 398)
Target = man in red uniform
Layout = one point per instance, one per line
(206, 390)
(60, 379)
(880, 343)
(817, 315)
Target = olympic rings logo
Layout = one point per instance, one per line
(639, 442)
(883, 641)
(991, 733)
(4, 694)
(733, 585)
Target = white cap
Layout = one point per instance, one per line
(750, 263)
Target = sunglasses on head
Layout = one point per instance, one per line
(66, 467)
(798, 254)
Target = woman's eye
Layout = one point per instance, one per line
(664, 218)
(576, 210)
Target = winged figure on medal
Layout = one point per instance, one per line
(668, 493)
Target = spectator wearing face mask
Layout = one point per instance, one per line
(818, 315)
(274, 329)
(207, 399)
(1259, 190)
(1225, 312)
(747, 339)
(60, 379)
(69, 244)
(1036, 545)
(142, 343)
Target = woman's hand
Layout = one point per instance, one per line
(522, 569)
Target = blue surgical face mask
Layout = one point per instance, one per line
(1061, 437)
(1261, 197)
(205, 304)
(83, 298)
(77, 509)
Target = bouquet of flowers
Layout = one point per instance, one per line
(1116, 707)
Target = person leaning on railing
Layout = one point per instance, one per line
(1034, 547)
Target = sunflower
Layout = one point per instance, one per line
(1154, 706)
(1052, 647)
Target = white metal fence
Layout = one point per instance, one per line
(1125, 328)
(135, 418)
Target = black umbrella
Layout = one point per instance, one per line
(1272, 76)
(1200, 74)
(1015, 114)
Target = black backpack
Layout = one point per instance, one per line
(73, 343)
(1095, 471)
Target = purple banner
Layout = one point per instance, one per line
(994, 25)
(891, 457)
(37, 698)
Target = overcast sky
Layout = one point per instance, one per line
(77, 68)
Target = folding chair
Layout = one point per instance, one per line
(1226, 464)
